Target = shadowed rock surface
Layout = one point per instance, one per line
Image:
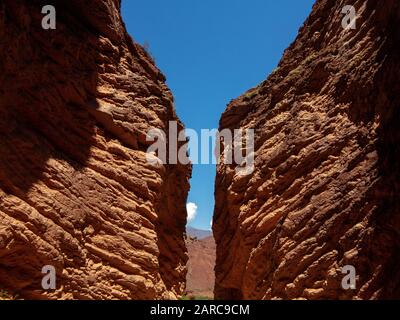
(76, 191)
(325, 190)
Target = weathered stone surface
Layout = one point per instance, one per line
(76, 191)
(325, 192)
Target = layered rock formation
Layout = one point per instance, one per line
(325, 192)
(76, 191)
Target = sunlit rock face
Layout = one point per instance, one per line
(325, 192)
(76, 191)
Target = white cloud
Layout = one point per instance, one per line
(191, 209)
(211, 224)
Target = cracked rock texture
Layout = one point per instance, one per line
(76, 191)
(325, 192)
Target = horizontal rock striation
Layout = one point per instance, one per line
(76, 191)
(325, 192)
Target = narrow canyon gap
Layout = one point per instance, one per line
(76, 191)
(325, 190)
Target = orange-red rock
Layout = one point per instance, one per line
(76, 191)
(200, 276)
(325, 192)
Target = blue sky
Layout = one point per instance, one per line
(212, 51)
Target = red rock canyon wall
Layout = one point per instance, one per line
(76, 191)
(325, 192)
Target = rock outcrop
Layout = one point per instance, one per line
(76, 191)
(325, 192)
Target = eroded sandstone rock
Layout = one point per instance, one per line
(325, 192)
(76, 191)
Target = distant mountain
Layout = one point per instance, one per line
(197, 233)
(200, 276)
